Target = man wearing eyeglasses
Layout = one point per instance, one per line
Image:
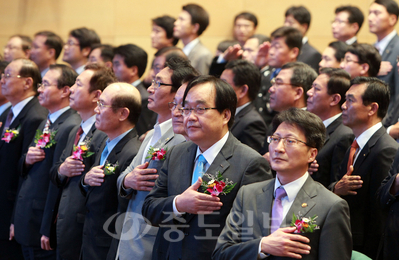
(259, 225)
(18, 85)
(138, 179)
(78, 47)
(367, 162)
(347, 23)
(37, 194)
(67, 172)
(190, 221)
(18, 46)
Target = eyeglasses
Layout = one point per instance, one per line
(7, 76)
(339, 21)
(173, 105)
(71, 43)
(279, 83)
(101, 105)
(44, 85)
(287, 141)
(157, 84)
(197, 110)
(347, 60)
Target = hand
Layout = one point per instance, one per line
(283, 243)
(95, 176)
(267, 156)
(394, 131)
(35, 154)
(139, 178)
(348, 184)
(263, 55)
(45, 243)
(11, 232)
(232, 53)
(71, 167)
(192, 201)
(385, 68)
(314, 167)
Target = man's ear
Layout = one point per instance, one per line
(226, 116)
(29, 83)
(124, 113)
(312, 154)
(86, 51)
(196, 28)
(336, 98)
(97, 94)
(373, 108)
(65, 92)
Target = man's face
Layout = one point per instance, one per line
(243, 29)
(280, 54)
(160, 97)
(318, 99)
(106, 119)
(122, 72)
(183, 26)
(72, 51)
(354, 112)
(282, 93)
(291, 22)
(288, 160)
(80, 98)
(250, 48)
(13, 49)
(380, 20)
(49, 94)
(328, 59)
(95, 57)
(158, 37)
(177, 116)
(206, 129)
(341, 28)
(40, 53)
(13, 86)
(351, 65)
(228, 76)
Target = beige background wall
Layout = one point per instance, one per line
(129, 21)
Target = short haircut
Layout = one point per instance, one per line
(182, 69)
(292, 37)
(3, 65)
(376, 91)
(26, 41)
(302, 75)
(224, 45)
(86, 37)
(261, 38)
(198, 15)
(29, 69)
(130, 101)
(339, 82)
(247, 16)
(107, 51)
(391, 6)
(166, 22)
(225, 97)
(246, 73)
(355, 15)
(170, 49)
(340, 49)
(101, 78)
(133, 55)
(53, 41)
(367, 53)
(68, 75)
(310, 124)
(300, 13)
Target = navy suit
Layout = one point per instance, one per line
(310, 56)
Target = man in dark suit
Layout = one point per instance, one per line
(299, 17)
(117, 113)
(333, 55)
(31, 232)
(129, 65)
(4, 103)
(347, 23)
(67, 172)
(324, 100)
(189, 221)
(18, 85)
(259, 226)
(249, 127)
(367, 162)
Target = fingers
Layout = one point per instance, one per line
(143, 166)
(349, 172)
(197, 184)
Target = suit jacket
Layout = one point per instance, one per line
(71, 206)
(216, 69)
(194, 236)
(147, 117)
(310, 56)
(102, 202)
(372, 164)
(200, 58)
(27, 121)
(3, 118)
(338, 139)
(249, 127)
(240, 240)
(34, 191)
(137, 236)
(262, 100)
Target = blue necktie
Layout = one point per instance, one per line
(104, 154)
(199, 169)
(274, 73)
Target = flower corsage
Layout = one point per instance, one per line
(45, 140)
(82, 151)
(10, 135)
(156, 154)
(304, 225)
(217, 185)
(110, 168)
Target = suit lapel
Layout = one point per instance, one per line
(220, 164)
(389, 48)
(366, 149)
(241, 114)
(165, 138)
(264, 204)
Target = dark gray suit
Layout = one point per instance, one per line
(147, 118)
(200, 58)
(310, 56)
(249, 221)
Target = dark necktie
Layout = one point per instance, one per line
(8, 121)
(78, 134)
(352, 154)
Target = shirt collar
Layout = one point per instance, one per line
(291, 188)
(44, 72)
(366, 135)
(18, 107)
(80, 69)
(115, 141)
(86, 126)
(304, 39)
(351, 40)
(164, 126)
(190, 46)
(211, 153)
(4, 107)
(136, 83)
(328, 121)
(54, 116)
(381, 45)
(238, 109)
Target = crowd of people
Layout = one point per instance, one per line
(269, 149)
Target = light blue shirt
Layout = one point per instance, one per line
(111, 144)
(86, 126)
(80, 69)
(4, 107)
(190, 46)
(54, 116)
